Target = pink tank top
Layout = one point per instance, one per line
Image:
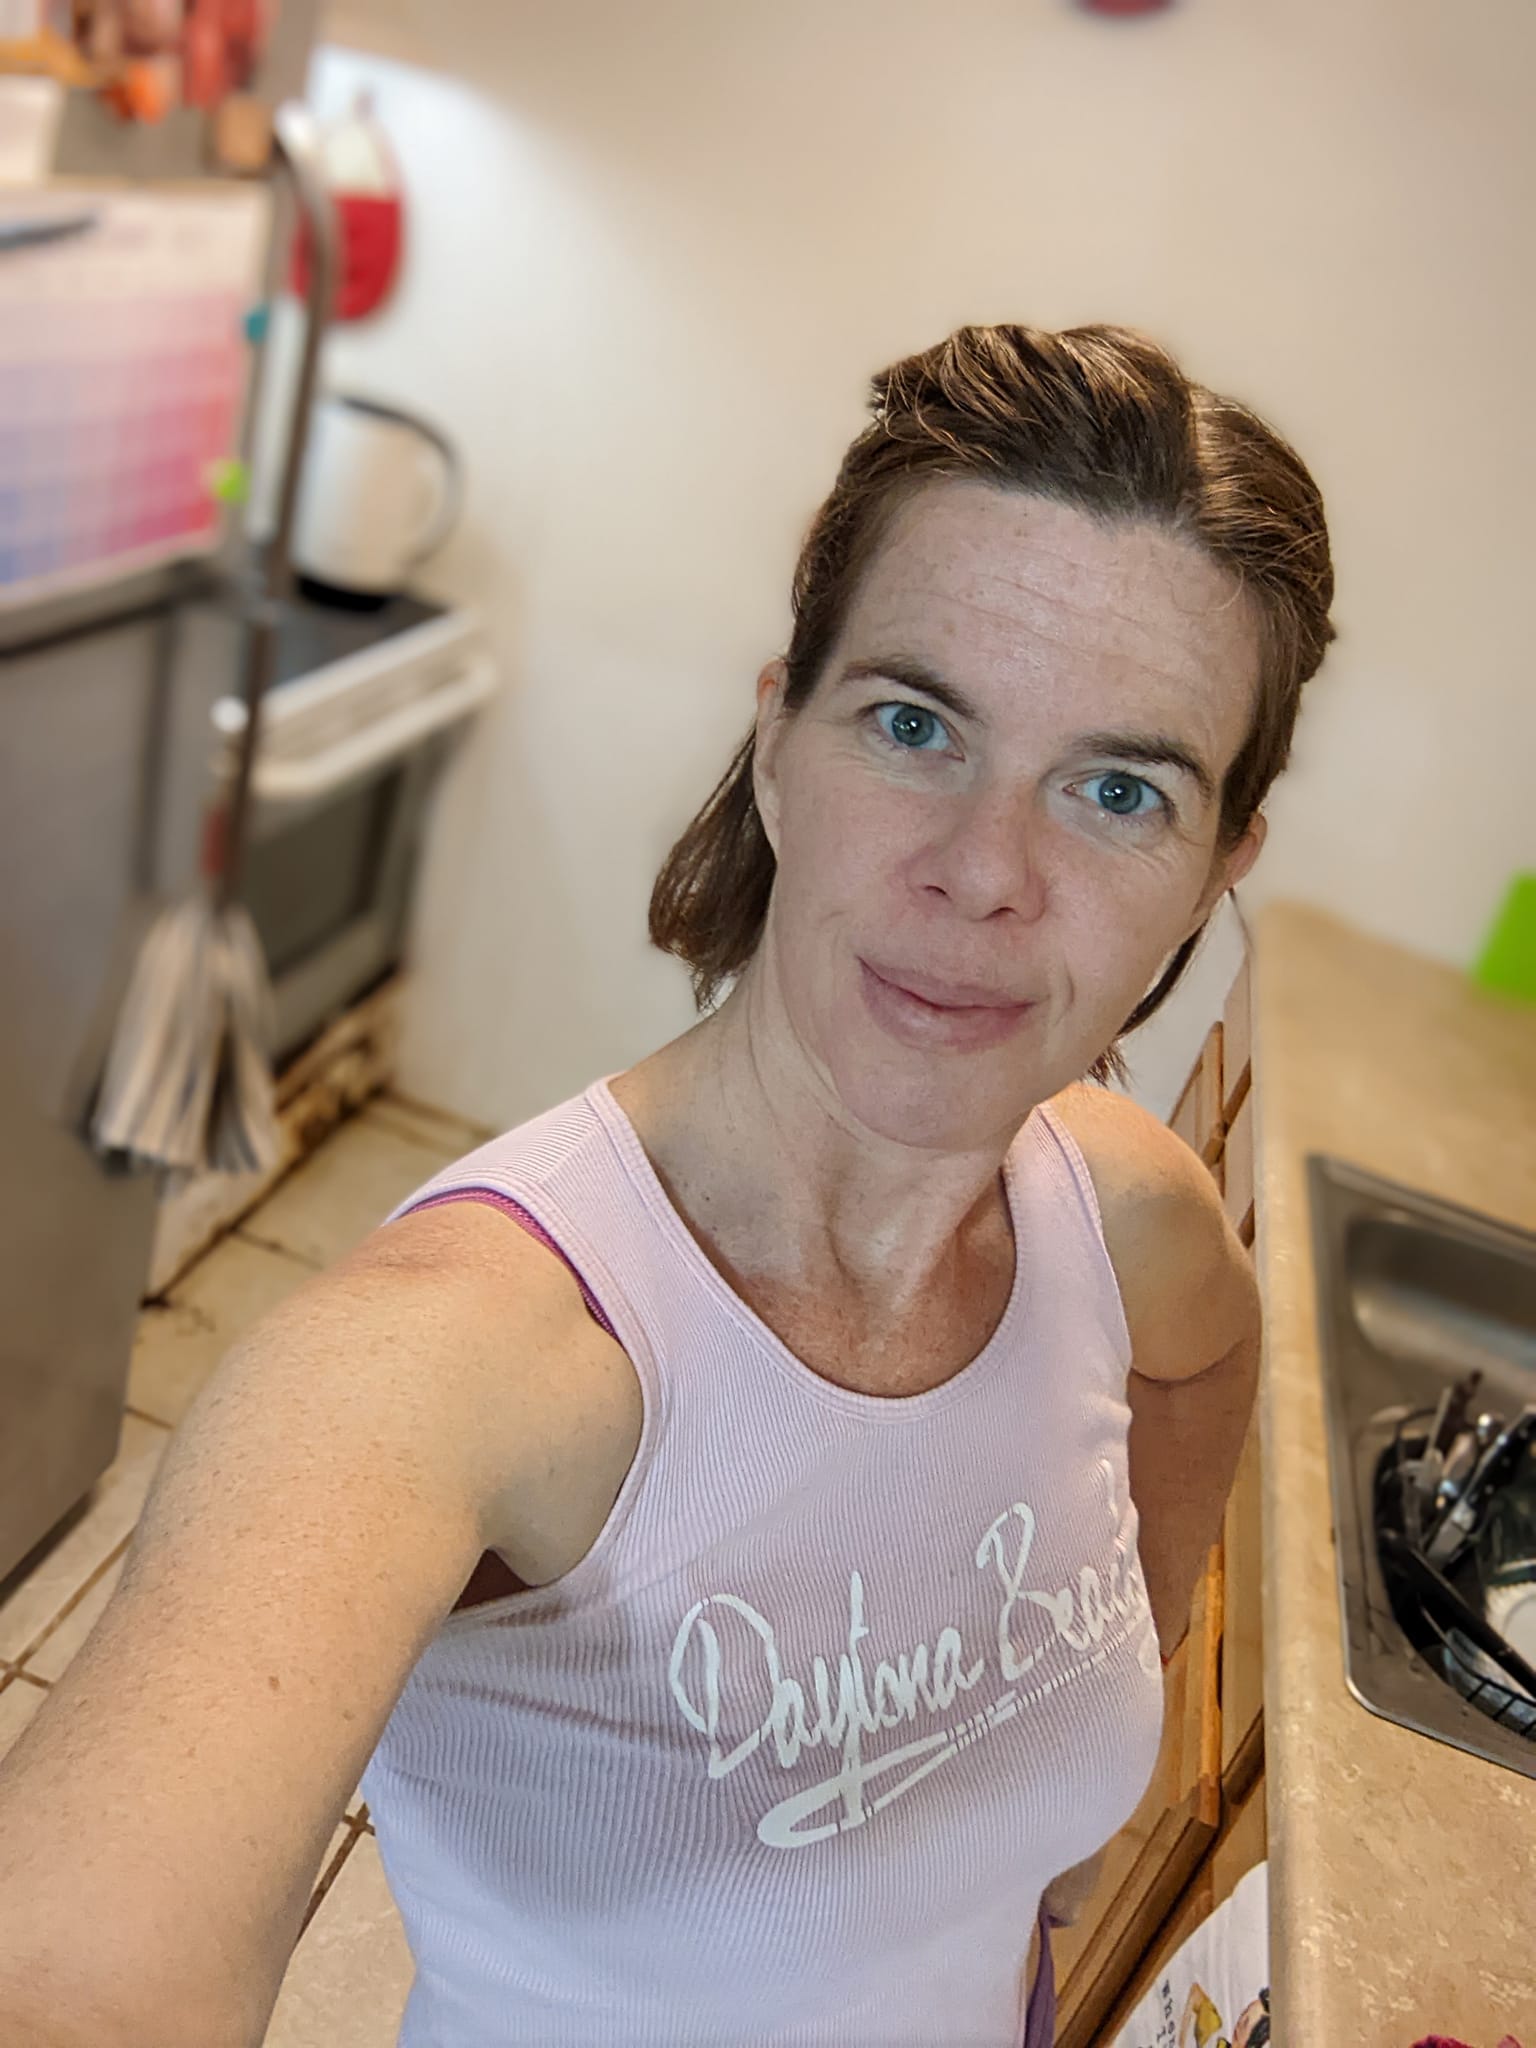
(788, 1758)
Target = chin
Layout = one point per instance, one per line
(944, 1100)
(934, 1103)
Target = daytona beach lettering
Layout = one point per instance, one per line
(1087, 1619)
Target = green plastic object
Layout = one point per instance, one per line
(1507, 963)
(229, 480)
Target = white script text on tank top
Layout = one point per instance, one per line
(1084, 1623)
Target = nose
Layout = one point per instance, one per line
(989, 861)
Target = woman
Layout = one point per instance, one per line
(834, 1408)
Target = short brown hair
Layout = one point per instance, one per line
(1098, 418)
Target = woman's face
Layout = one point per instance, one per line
(1005, 790)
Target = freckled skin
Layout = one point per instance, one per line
(978, 857)
(984, 854)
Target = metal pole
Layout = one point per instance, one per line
(296, 146)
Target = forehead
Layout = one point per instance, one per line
(977, 580)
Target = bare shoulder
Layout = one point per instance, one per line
(1185, 1279)
(1137, 1162)
(553, 1394)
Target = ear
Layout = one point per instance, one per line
(772, 724)
(1245, 853)
(1228, 869)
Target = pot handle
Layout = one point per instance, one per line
(451, 502)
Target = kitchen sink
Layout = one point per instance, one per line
(1415, 1296)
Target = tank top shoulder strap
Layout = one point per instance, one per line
(573, 1150)
(1072, 1184)
(525, 1220)
(558, 1176)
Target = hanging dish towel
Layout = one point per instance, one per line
(1213, 1992)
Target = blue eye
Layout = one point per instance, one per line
(1121, 795)
(910, 726)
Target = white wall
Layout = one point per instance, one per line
(656, 251)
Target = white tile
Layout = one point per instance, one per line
(179, 1344)
(115, 1506)
(350, 1975)
(433, 1129)
(339, 1846)
(51, 1660)
(18, 1703)
(344, 1191)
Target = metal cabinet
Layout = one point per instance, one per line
(77, 715)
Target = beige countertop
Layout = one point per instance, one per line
(1402, 1871)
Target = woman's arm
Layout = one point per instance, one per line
(163, 1816)
(1186, 1437)
(1192, 1307)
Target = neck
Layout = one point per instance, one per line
(755, 1146)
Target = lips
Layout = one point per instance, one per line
(946, 995)
(925, 1025)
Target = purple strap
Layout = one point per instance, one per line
(534, 1228)
(1040, 2013)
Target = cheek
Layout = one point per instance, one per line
(1118, 914)
(842, 833)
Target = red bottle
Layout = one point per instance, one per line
(359, 168)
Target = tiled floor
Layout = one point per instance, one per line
(347, 1983)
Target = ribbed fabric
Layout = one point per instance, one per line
(526, 1220)
(789, 1757)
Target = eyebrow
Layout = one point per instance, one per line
(914, 676)
(1152, 749)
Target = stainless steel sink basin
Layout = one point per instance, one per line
(1413, 1293)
